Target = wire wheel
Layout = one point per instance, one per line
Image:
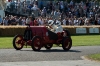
(36, 43)
(67, 43)
(18, 42)
(67, 33)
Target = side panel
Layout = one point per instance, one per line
(39, 30)
(43, 33)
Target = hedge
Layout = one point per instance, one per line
(14, 30)
(11, 30)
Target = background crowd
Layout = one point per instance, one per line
(38, 13)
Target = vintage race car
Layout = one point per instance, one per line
(40, 36)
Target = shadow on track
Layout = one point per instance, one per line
(58, 50)
(52, 50)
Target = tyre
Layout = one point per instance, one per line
(67, 33)
(48, 46)
(36, 43)
(17, 42)
(66, 43)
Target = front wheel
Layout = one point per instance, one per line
(66, 43)
(48, 46)
(36, 43)
(18, 42)
(67, 33)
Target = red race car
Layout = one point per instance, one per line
(40, 36)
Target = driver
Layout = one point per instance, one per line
(55, 27)
(52, 26)
(59, 27)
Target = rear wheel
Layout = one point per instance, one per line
(48, 46)
(18, 42)
(66, 43)
(36, 43)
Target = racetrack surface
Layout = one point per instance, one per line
(55, 54)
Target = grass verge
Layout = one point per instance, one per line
(6, 42)
(95, 57)
(86, 40)
(79, 40)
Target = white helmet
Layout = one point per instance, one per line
(58, 23)
(50, 22)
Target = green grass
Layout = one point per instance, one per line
(86, 40)
(95, 57)
(6, 42)
(79, 40)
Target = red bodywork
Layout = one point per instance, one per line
(42, 32)
(40, 36)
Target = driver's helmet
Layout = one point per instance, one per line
(58, 23)
(50, 22)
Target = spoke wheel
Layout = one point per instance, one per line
(36, 43)
(67, 43)
(18, 42)
(67, 33)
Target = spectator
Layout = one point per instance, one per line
(32, 21)
(83, 12)
(20, 21)
(0, 20)
(17, 19)
(13, 21)
(35, 23)
(41, 21)
(87, 21)
(44, 11)
(35, 10)
(5, 21)
(98, 21)
(76, 21)
(28, 20)
(12, 6)
(29, 7)
(70, 21)
(64, 21)
(23, 21)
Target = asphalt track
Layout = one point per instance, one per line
(54, 57)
